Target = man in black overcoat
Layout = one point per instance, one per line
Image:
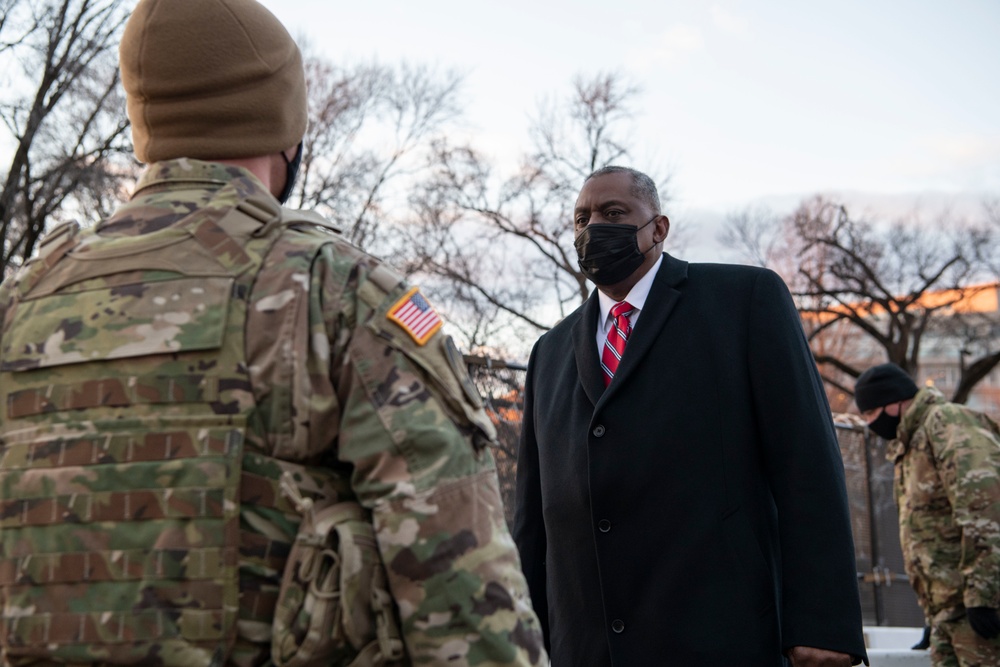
(680, 490)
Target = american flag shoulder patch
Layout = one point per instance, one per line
(415, 316)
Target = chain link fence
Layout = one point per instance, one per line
(501, 385)
(886, 596)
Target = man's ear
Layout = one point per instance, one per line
(661, 228)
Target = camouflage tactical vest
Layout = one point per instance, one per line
(126, 401)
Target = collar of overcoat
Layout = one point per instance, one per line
(663, 296)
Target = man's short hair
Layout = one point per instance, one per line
(643, 186)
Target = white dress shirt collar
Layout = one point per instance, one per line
(636, 297)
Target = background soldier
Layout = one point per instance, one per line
(227, 435)
(947, 490)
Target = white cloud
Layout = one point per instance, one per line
(956, 161)
(673, 47)
(684, 39)
(966, 148)
(727, 21)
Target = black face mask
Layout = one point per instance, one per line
(608, 253)
(885, 425)
(291, 171)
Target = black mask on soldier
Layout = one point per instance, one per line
(608, 252)
(291, 172)
(885, 425)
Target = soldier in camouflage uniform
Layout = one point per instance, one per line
(947, 488)
(227, 436)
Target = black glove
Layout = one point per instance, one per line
(985, 621)
(924, 642)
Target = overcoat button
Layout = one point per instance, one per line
(618, 626)
(598, 431)
(604, 526)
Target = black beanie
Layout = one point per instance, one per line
(883, 385)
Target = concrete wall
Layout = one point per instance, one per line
(890, 647)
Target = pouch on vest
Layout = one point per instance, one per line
(334, 607)
(125, 401)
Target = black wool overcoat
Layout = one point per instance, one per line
(694, 512)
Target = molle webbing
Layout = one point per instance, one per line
(121, 545)
(126, 400)
(111, 392)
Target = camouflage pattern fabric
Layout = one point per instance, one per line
(955, 644)
(345, 399)
(947, 489)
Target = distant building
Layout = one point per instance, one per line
(966, 329)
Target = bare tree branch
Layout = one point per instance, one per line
(882, 291)
(70, 129)
(515, 235)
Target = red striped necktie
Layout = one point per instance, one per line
(614, 346)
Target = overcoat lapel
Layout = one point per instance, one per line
(588, 366)
(663, 296)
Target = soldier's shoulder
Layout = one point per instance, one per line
(308, 232)
(376, 283)
(945, 412)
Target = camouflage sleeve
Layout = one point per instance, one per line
(416, 439)
(968, 461)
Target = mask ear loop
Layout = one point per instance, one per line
(655, 242)
(668, 228)
(291, 171)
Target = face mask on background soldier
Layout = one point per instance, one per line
(885, 425)
(609, 252)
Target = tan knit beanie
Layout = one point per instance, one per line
(211, 79)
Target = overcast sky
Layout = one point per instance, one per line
(880, 102)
